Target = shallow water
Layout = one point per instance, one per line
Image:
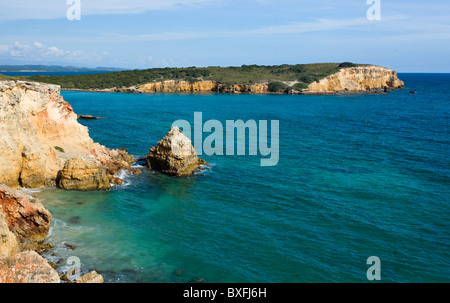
(358, 176)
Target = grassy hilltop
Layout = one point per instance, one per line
(301, 75)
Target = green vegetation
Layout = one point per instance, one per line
(347, 64)
(60, 149)
(4, 78)
(276, 87)
(298, 86)
(301, 74)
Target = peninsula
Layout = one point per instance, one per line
(319, 78)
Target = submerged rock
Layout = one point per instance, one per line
(78, 174)
(75, 220)
(87, 117)
(174, 155)
(70, 246)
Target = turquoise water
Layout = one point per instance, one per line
(358, 176)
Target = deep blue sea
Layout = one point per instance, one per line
(44, 73)
(358, 176)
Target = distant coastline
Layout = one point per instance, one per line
(304, 79)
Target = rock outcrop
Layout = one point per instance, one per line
(174, 155)
(358, 79)
(77, 174)
(39, 133)
(27, 267)
(9, 246)
(25, 217)
(87, 117)
(90, 278)
(24, 223)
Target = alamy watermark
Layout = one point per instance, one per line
(374, 271)
(74, 273)
(213, 144)
(374, 11)
(74, 10)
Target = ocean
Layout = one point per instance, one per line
(47, 73)
(358, 176)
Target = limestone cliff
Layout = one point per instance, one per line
(39, 132)
(358, 79)
(171, 86)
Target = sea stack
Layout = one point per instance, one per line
(174, 155)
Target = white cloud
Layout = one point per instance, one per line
(39, 52)
(56, 9)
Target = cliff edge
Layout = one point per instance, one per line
(358, 79)
(39, 132)
(352, 79)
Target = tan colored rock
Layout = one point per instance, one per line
(171, 86)
(358, 79)
(136, 171)
(25, 216)
(92, 277)
(78, 174)
(116, 181)
(9, 246)
(174, 155)
(27, 267)
(39, 132)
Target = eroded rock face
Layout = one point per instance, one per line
(171, 86)
(25, 217)
(9, 246)
(174, 155)
(78, 174)
(39, 133)
(27, 267)
(358, 79)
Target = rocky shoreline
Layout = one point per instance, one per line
(362, 79)
(43, 145)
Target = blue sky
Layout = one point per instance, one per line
(412, 36)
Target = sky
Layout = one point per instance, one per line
(411, 36)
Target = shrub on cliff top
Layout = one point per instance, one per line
(275, 87)
(347, 64)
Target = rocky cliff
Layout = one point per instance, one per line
(39, 132)
(352, 79)
(358, 79)
(171, 86)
